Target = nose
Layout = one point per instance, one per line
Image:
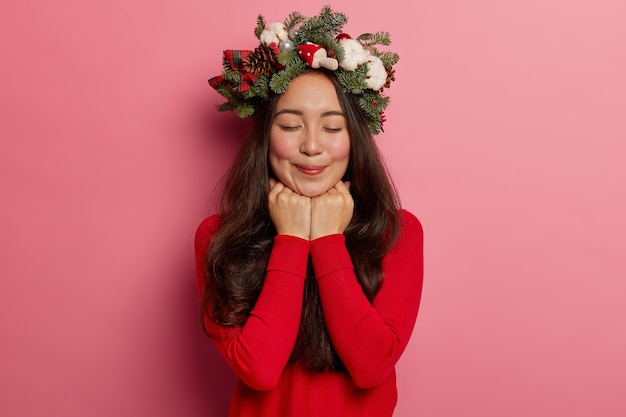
(311, 142)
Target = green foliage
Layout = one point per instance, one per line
(322, 30)
(328, 23)
(378, 38)
(294, 19)
(333, 21)
(373, 104)
(228, 106)
(286, 56)
(368, 108)
(260, 89)
(232, 76)
(389, 58)
(226, 91)
(353, 82)
(246, 109)
(260, 25)
(280, 81)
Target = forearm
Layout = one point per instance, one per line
(369, 338)
(259, 350)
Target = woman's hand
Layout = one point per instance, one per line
(290, 212)
(332, 211)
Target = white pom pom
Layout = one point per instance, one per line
(354, 54)
(274, 33)
(376, 73)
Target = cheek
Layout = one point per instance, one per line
(339, 150)
(280, 147)
(279, 156)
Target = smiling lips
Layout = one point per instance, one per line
(310, 170)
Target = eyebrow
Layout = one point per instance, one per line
(299, 113)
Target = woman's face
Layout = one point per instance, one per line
(309, 147)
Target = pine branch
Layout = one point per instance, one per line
(328, 22)
(378, 38)
(225, 92)
(260, 25)
(332, 21)
(285, 57)
(353, 82)
(293, 20)
(375, 127)
(389, 58)
(260, 89)
(232, 76)
(228, 106)
(280, 80)
(245, 110)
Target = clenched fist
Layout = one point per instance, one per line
(332, 211)
(290, 212)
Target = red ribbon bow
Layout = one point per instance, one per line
(233, 61)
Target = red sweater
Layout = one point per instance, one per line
(369, 338)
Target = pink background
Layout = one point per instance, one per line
(506, 135)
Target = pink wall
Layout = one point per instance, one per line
(506, 136)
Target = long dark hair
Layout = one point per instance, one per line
(235, 261)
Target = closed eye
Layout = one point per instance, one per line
(289, 128)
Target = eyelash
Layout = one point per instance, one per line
(328, 129)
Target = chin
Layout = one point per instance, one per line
(312, 192)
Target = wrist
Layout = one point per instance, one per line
(302, 236)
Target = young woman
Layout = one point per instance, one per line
(311, 273)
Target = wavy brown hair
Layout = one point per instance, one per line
(234, 265)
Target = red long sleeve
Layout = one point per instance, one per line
(370, 338)
(259, 351)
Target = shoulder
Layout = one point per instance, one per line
(411, 233)
(205, 230)
(410, 223)
(406, 257)
(209, 225)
